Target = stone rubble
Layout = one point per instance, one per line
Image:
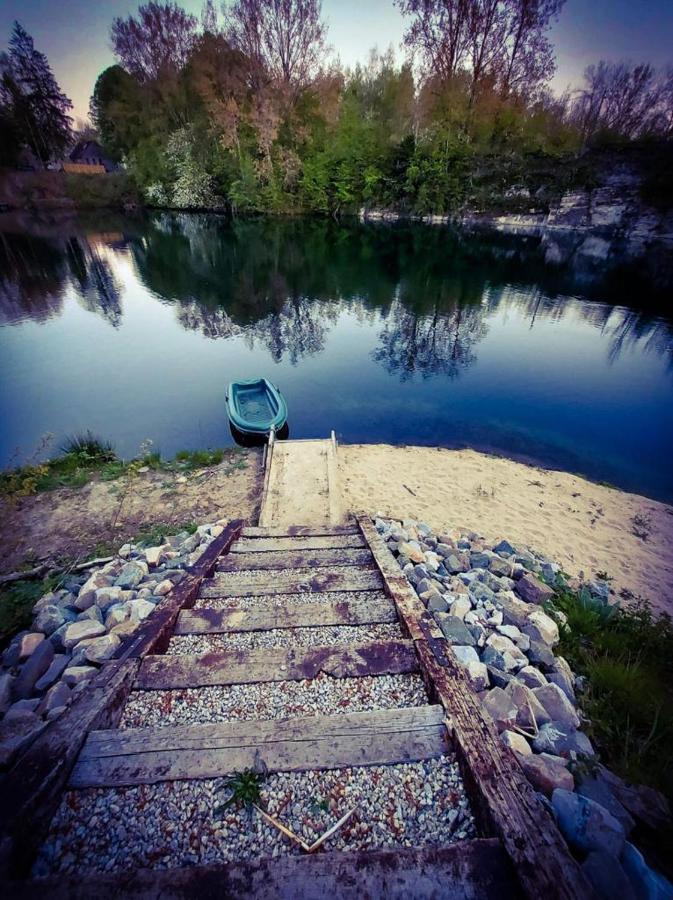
(494, 603)
(322, 695)
(79, 626)
(177, 823)
(328, 635)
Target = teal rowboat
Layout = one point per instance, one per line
(256, 406)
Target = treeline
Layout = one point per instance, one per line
(244, 109)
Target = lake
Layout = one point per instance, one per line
(132, 327)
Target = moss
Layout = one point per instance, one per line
(16, 604)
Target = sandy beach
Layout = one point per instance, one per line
(587, 528)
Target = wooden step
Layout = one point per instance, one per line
(307, 542)
(478, 870)
(296, 559)
(276, 664)
(148, 755)
(298, 530)
(286, 614)
(302, 580)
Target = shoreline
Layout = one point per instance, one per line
(587, 528)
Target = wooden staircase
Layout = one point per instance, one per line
(284, 577)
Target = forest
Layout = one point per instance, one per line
(247, 109)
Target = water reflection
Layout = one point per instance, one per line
(282, 285)
(406, 334)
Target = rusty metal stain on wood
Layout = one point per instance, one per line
(287, 614)
(276, 664)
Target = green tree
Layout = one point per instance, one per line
(39, 109)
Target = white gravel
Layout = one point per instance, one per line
(273, 601)
(254, 575)
(272, 700)
(329, 635)
(174, 823)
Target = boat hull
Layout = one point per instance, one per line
(255, 407)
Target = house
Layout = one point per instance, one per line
(89, 156)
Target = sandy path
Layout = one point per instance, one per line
(585, 527)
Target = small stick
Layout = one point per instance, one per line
(282, 828)
(409, 489)
(92, 562)
(330, 831)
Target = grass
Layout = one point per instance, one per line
(627, 656)
(243, 789)
(16, 603)
(156, 534)
(85, 456)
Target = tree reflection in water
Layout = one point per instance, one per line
(282, 284)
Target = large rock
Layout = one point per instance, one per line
(478, 675)
(545, 774)
(515, 611)
(644, 803)
(49, 618)
(541, 655)
(561, 675)
(87, 593)
(153, 555)
(500, 567)
(513, 657)
(532, 590)
(587, 825)
(552, 739)
(53, 673)
(498, 704)
(29, 643)
(465, 654)
(412, 551)
(505, 548)
(79, 631)
(33, 669)
(133, 573)
(57, 695)
(140, 610)
(75, 675)
(531, 677)
(460, 607)
(516, 742)
(455, 630)
(560, 709)
(531, 714)
(102, 648)
(596, 788)
(541, 627)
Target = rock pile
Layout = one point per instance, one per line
(78, 627)
(494, 604)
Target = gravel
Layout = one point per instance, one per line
(322, 695)
(254, 575)
(173, 823)
(273, 601)
(329, 635)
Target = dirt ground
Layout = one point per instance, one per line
(72, 523)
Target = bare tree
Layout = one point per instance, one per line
(624, 99)
(285, 39)
(501, 43)
(156, 43)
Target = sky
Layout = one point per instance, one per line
(74, 34)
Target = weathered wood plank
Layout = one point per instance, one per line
(299, 530)
(295, 559)
(287, 614)
(468, 870)
(113, 742)
(301, 542)
(307, 580)
(32, 788)
(384, 737)
(502, 796)
(276, 664)
(154, 634)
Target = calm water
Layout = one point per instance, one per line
(402, 334)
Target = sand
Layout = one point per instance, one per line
(587, 528)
